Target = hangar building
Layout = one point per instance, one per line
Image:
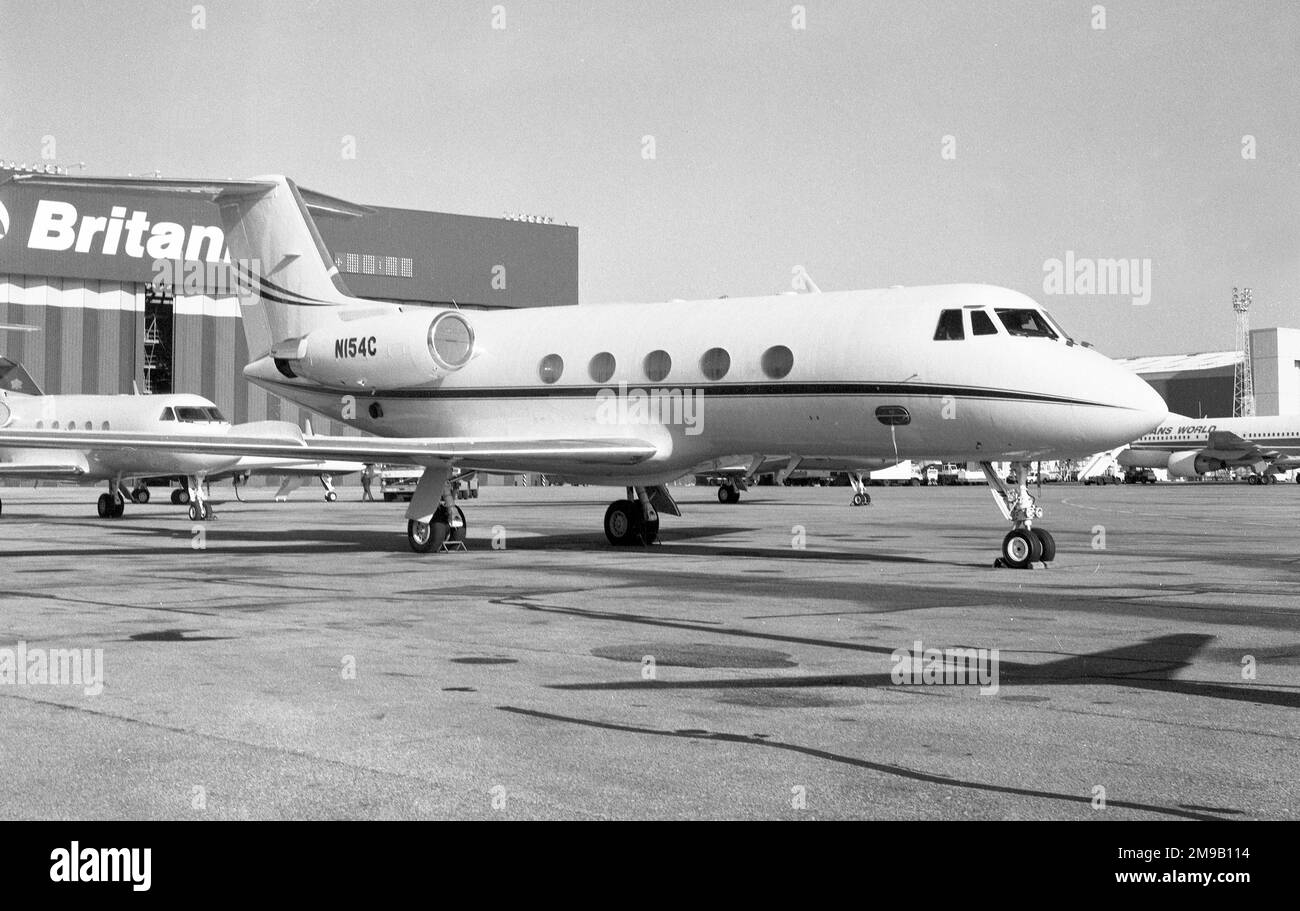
(1200, 385)
(80, 265)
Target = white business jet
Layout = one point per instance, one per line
(24, 407)
(636, 395)
(123, 469)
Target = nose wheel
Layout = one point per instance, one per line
(1026, 544)
(200, 510)
(327, 482)
(859, 483)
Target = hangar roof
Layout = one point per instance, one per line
(382, 252)
(1181, 363)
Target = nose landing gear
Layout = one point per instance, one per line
(859, 483)
(1025, 544)
(326, 481)
(200, 510)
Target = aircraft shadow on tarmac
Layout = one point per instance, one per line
(1182, 811)
(1147, 665)
(310, 539)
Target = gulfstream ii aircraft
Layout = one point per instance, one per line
(636, 395)
(123, 470)
(24, 407)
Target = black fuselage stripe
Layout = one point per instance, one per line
(753, 390)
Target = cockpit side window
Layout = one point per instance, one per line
(950, 327)
(981, 323)
(168, 415)
(1026, 323)
(215, 416)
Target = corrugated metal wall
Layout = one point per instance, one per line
(91, 341)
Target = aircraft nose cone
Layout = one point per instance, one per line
(1147, 408)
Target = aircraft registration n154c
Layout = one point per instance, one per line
(637, 395)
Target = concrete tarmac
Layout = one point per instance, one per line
(296, 660)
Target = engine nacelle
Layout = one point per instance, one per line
(394, 351)
(1143, 458)
(1192, 464)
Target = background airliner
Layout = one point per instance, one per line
(600, 394)
(1192, 447)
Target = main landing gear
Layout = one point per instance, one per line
(112, 505)
(635, 520)
(727, 493)
(1024, 545)
(434, 521)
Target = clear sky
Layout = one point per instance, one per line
(774, 146)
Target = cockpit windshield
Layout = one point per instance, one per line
(1027, 323)
(197, 415)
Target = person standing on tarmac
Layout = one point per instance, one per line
(367, 477)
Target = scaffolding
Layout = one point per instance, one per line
(156, 375)
(1243, 382)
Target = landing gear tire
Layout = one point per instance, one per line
(194, 512)
(105, 506)
(425, 537)
(621, 521)
(331, 497)
(180, 496)
(1021, 548)
(420, 536)
(861, 499)
(625, 525)
(140, 495)
(728, 494)
(118, 508)
(1048, 544)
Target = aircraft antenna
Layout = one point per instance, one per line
(1243, 381)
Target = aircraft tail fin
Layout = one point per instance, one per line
(15, 378)
(288, 283)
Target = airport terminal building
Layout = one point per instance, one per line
(80, 265)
